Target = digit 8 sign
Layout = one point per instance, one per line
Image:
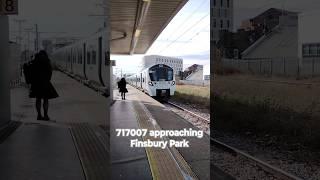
(9, 5)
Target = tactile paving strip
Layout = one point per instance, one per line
(7, 129)
(164, 163)
(93, 151)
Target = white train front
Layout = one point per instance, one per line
(157, 80)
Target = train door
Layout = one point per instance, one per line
(71, 60)
(100, 60)
(67, 57)
(136, 80)
(140, 80)
(84, 60)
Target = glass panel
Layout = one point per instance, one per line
(161, 73)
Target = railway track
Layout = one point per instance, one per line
(205, 120)
(275, 172)
(271, 171)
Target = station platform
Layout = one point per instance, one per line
(73, 145)
(141, 111)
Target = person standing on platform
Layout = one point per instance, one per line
(41, 87)
(122, 88)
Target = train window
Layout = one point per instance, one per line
(106, 57)
(161, 73)
(88, 58)
(94, 56)
(80, 58)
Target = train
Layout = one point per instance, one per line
(157, 80)
(87, 58)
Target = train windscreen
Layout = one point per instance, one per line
(161, 73)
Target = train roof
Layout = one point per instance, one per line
(79, 42)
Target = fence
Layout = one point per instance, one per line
(308, 67)
(195, 82)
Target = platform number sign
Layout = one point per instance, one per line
(8, 7)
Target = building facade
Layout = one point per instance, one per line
(175, 63)
(221, 18)
(194, 73)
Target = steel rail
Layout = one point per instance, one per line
(267, 167)
(235, 152)
(192, 113)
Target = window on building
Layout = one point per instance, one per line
(228, 24)
(228, 3)
(221, 3)
(221, 24)
(214, 3)
(225, 12)
(214, 23)
(318, 50)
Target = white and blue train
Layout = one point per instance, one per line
(86, 58)
(157, 80)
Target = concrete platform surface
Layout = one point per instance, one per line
(127, 163)
(40, 150)
(197, 155)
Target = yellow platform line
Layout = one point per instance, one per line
(165, 164)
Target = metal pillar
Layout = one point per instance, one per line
(5, 114)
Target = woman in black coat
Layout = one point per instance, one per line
(41, 87)
(122, 88)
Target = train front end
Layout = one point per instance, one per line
(160, 81)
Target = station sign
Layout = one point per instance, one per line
(8, 7)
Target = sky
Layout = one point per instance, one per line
(187, 36)
(58, 18)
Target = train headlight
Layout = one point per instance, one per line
(150, 83)
(173, 83)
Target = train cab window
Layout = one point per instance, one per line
(94, 56)
(88, 58)
(161, 73)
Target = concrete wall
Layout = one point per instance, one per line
(281, 42)
(15, 61)
(5, 114)
(196, 76)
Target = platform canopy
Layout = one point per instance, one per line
(136, 24)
